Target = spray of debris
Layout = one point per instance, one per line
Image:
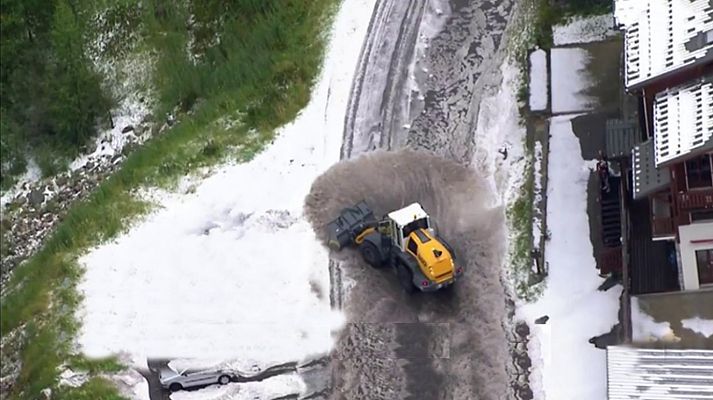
(463, 325)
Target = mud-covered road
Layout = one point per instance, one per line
(449, 344)
(412, 91)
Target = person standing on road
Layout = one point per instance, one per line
(603, 171)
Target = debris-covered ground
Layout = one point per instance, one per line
(231, 268)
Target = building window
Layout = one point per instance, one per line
(704, 261)
(698, 172)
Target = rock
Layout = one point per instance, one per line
(523, 362)
(127, 129)
(140, 130)
(36, 197)
(61, 181)
(522, 330)
(46, 394)
(20, 200)
(128, 149)
(542, 320)
(523, 392)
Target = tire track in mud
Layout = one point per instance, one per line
(379, 86)
(445, 345)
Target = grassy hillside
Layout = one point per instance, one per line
(242, 69)
(52, 97)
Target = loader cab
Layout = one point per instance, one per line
(406, 220)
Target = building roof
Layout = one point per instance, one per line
(646, 178)
(621, 136)
(408, 214)
(653, 374)
(664, 35)
(683, 120)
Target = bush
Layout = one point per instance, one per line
(52, 97)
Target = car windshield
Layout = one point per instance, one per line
(167, 372)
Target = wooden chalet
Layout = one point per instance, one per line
(666, 151)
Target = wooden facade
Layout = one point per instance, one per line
(677, 205)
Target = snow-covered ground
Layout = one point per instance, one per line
(566, 365)
(570, 80)
(699, 325)
(232, 270)
(584, 30)
(130, 113)
(499, 130)
(131, 384)
(433, 21)
(272, 388)
(537, 216)
(538, 80)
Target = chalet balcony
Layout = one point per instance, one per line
(695, 199)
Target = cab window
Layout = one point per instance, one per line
(415, 225)
(422, 236)
(413, 246)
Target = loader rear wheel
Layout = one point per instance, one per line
(405, 278)
(370, 254)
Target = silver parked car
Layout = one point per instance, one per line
(173, 380)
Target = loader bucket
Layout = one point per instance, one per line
(351, 222)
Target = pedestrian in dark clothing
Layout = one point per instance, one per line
(603, 171)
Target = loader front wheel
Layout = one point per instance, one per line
(370, 254)
(405, 278)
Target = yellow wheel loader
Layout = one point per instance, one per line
(403, 239)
